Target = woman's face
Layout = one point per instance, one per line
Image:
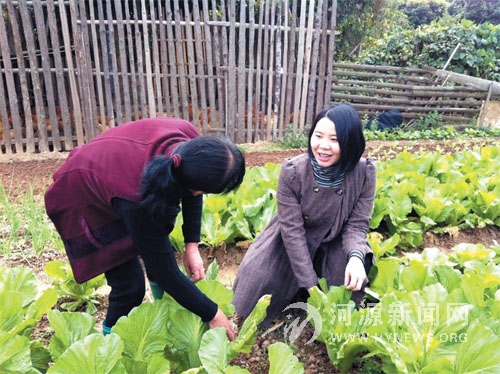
(324, 144)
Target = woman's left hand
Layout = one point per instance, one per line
(193, 262)
(355, 274)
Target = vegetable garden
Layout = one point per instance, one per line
(428, 309)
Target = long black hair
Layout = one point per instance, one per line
(349, 134)
(207, 163)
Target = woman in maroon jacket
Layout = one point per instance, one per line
(116, 199)
(325, 198)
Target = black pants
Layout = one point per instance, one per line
(127, 289)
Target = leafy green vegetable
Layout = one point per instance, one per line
(69, 327)
(80, 294)
(95, 354)
(282, 360)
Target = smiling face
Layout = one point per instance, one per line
(324, 144)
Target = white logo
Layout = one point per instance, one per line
(293, 329)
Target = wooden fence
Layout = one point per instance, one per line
(248, 70)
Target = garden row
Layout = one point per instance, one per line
(426, 312)
(416, 193)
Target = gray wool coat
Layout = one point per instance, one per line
(309, 237)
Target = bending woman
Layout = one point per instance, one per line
(116, 199)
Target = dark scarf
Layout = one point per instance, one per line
(323, 176)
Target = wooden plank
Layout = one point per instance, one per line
(163, 55)
(180, 61)
(155, 61)
(258, 125)
(250, 111)
(420, 109)
(62, 95)
(191, 68)
(242, 80)
(124, 73)
(86, 75)
(172, 60)
(476, 83)
(113, 66)
(269, 113)
(4, 118)
(207, 30)
(151, 104)
(140, 83)
(313, 88)
(416, 93)
(298, 122)
(221, 47)
(349, 83)
(102, 52)
(28, 123)
(408, 101)
(398, 69)
(75, 97)
(101, 111)
(265, 72)
(283, 118)
(332, 25)
(386, 76)
(231, 103)
(200, 65)
(291, 68)
(323, 57)
(307, 64)
(131, 25)
(38, 117)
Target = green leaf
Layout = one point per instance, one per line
(217, 292)
(213, 350)
(386, 275)
(479, 353)
(14, 354)
(22, 280)
(282, 360)
(246, 336)
(183, 338)
(96, 354)
(69, 328)
(143, 331)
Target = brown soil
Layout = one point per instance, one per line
(18, 173)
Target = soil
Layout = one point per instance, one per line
(20, 173)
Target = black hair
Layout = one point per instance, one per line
(349, 134)
(208, 163)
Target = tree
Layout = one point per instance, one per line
(479, 11)
(423, 12)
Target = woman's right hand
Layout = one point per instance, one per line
(220, 320)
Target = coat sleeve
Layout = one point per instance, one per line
(355, 229)
(191, 213)
(292, 226)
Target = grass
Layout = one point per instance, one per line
(24, 225)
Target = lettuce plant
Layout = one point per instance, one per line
(79, 294)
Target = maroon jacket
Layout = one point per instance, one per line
(79, 200)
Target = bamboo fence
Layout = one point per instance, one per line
(248, 70)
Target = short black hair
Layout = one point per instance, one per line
(349, 134)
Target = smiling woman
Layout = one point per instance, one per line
(325, 198)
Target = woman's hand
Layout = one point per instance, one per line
(220, 320)
(355, 274)
(193, 262)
